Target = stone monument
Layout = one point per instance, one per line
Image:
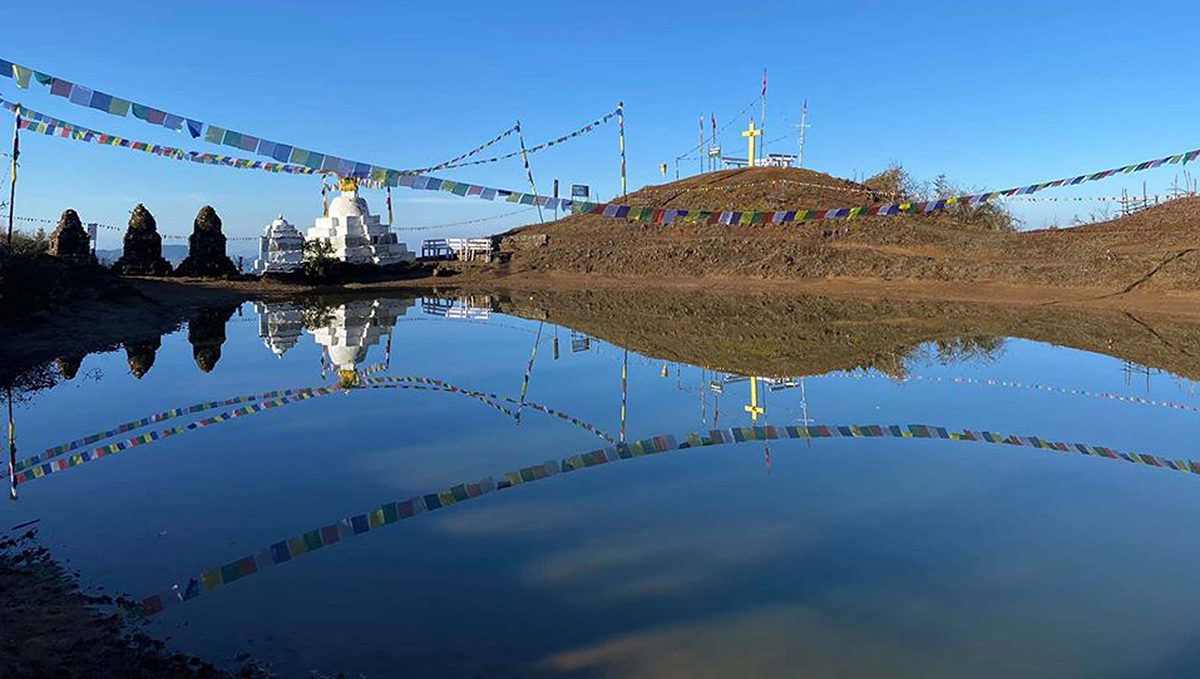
(206, 248)
(356, 235)
(70, 241)
(280, 248)
(143, 247)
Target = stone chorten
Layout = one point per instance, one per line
(206, 333)
(70, 241)
(357, 236)
(143, 247)
(206, 248)
(280, 248)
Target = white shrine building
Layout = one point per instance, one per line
(353, 327)
(280, 248)
(280, 325)
(357, 236)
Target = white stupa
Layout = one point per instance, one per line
(357, 236)
(280, 248)
(356, 325)
(279, 325)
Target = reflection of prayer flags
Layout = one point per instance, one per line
(192, 591)
(280, 553)
(211, 579)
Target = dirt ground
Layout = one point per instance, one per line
(1151, 251)
(50, 628)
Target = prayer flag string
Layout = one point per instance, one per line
(285, 550)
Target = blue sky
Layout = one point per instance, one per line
(994, 96)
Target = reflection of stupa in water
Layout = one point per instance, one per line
(206, 333)
(141, 355)
(279, 325)
(351, 328)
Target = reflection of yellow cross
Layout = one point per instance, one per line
(754, 409)
(752, 134)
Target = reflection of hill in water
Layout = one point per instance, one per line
(782, 335)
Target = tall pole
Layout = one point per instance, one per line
(700, 148)
(764, 116)
(712, 162)
(525, 157)
(803, 129)
(621, 120)
(12, 187)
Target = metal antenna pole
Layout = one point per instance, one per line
(803, 129)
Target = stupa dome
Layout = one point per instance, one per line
(348, 204)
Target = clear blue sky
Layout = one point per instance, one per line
(993, 96)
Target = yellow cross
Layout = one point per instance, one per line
(754, 409)
(752, 134)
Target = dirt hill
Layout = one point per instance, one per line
(1153, 249)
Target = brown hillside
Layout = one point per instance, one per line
(1149, 250)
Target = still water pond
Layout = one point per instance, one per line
(419, 486)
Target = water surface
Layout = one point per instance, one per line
(374, 484)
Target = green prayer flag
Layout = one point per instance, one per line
(213, 134)
(42, 78)
(118, 107)
(299, 156)
(390, 514)
(232, 138)
(312, 540)
(22, 76)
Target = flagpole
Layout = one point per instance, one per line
(700, 148)
(525, 157)
(621, 120)
(764, 116)
(12, 188)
